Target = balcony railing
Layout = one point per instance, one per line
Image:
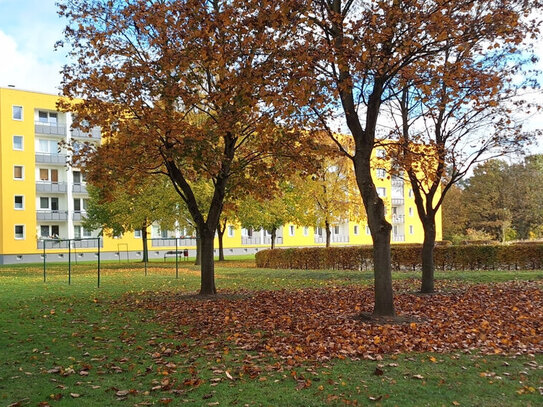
(79, 188)
(75, 243)
(52, 130)
(278, 240)
(78, 215)
(95, 133)
(397, 201)
(398, 238)
(251, 240)
(398, 218)
(333, 239)
(170, 242)
(46, 158)
(42, 215)
(51, 187)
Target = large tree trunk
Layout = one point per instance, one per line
(380, 233)
(198, 260)
(428, 267)
(328, 233)
(145, 244)
(207, 285)
(273, 236)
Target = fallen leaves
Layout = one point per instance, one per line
(320, 323)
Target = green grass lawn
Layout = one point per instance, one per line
(78, 345)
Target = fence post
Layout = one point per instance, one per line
(44, 266)
(176, 260)
(98, 261)
(69, 262)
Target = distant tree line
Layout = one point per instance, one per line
(500, 201)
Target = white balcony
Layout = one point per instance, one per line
(51, 187)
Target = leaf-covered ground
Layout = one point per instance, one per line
(324, 323)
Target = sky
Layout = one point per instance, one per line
(29, 30)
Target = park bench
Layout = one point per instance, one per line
(179, 253)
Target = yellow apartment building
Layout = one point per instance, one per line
(41, 198)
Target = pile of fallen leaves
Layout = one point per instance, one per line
(325, 323)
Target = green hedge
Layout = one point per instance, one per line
(407, 257)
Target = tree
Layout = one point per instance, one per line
(273, 211)
(193, 89)
(331, 191)
(458, 107)
(486, 199)
(119, 209)
(454, 214)
(354, 52)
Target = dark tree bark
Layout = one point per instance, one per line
(144, 243)
(428, 267)
(221, 228)
(207, 284)
(273, 236)
(328, 233)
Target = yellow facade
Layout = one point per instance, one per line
(42, 197)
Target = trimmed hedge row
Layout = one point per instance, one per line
(407, 257)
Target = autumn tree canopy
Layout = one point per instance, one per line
(463, 105)
(193, 89)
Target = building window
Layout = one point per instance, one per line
(87, 233)
(291, 230)
(47, 231)
(380, 153)
(49, 203)
(306, 231)
(47, 146)
(230, 231)
(19, 232)
(411, 229)
(382, 192)
(19, 202)
(381, 173)
(137, 233)
(368, 231)
(410, 193)
(319, 231)
(336, 230)
(48, 175)
(18, 172)
(410, 211)
(17, 113)
(18, 143)
(79, 177)
(77, 232)
(48, 117)
(355, 230)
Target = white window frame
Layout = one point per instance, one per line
(368, 231)
(23, 237)
(380, 153)
(381, 192)
(13, 113)
(22, 142)
(137, 234)
(355, 230)
(22, 173)
(86, 233)
(410, 193)
(306, 231)
(231, 231)
(411, 230)
(410, 211)
(48, 118)
(22, 208)
(291, 230)
(381, 173)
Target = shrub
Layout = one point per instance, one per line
(407, 257)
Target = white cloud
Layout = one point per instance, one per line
(25, 70)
